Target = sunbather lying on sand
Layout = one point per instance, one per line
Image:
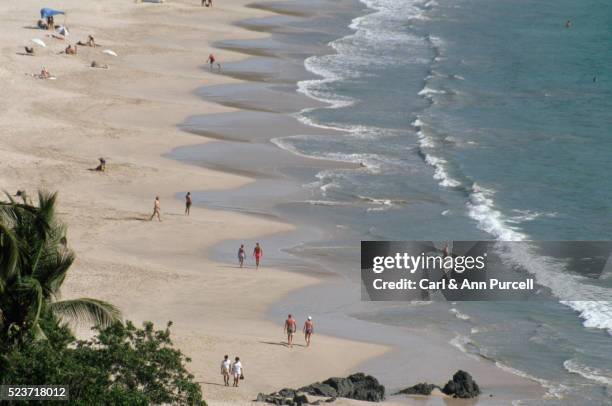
(44, 74)
(89, 43)
(95, 64)
(42, 25)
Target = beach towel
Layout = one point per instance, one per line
(109, 52)
(40, 42)
(62, 31)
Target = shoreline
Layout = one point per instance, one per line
(530, 390)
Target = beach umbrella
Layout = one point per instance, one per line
(49, 12)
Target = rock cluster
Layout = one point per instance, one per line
(357, 386)
(461, 386)
(419, 389)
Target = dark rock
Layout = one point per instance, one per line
(344, 387)
(316, 403)
(330, 400)
(366, 387)
(286, 393)
(418, 389)
(462, 386)
(320, 389)
(357, 386)
(300, 399)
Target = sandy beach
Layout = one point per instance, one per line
(53, 132)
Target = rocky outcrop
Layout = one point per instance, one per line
(287, 397)
(418, 389)
(357, 386)
(461, 386)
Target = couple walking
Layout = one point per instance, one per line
(157, 204)
(257, 253)
(234, 369)
(291, 328)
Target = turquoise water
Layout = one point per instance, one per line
(480, 119)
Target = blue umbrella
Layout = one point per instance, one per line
(48, 12)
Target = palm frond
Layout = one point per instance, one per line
(86, 310)
(9, 255)
(52, 270)
(29, 292)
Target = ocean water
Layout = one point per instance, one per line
(479, 119)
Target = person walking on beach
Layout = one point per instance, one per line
(290, 328)
(308, 330)
(241, 255)
(237, 371)
(226, 366)
(257, 253)
(211, 60)
(156, 210)
(187, 203)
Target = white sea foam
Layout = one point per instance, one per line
(326, 203)
(426, 143)
(590, 373)
(440, 172)
(462, 343)
(459, 315)
(427, 91)
(481, 208)
(374, 38)
(554, 391)
(521, 216)
(595, 309)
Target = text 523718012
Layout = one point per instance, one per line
(33, 392)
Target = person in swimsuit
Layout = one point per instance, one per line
(257, 253)
(91, 42)
(211, 60)
(187, 203)
(241, 255)
(226, 366)
(290, 328)
(237, 371)
(308, 330)
(71, 50)
(156, 210)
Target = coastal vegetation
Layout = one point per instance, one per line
(120, 364)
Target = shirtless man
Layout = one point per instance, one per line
(156, 210)
(226, 366)
(290, 328)
(71, 50)
(211, 59)
(187, 203)
(308, 330)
